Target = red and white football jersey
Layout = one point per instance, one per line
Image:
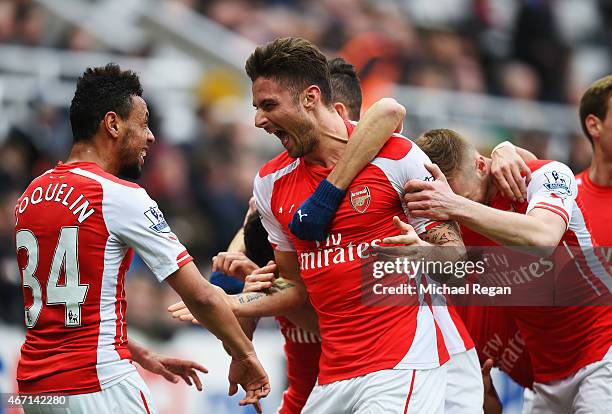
(596, 200)
(563, 339)
(303, 350)
(76, 229)
(356, 339)
(493, 329)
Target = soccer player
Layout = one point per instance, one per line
(76, 229)
(374, 359)
(595, 183)
(570, 347)
(302, 345)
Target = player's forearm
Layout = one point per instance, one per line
(374, 129)
(507, 228)
(492, 405)
(214, 313)
(284, 296)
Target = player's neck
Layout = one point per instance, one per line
(600, 172)
(90, 152)
(332, 138)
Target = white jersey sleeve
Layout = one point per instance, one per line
(134, 219)
(406, 167)
(553, 188)
(262, 191)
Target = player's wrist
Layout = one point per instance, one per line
(328, 195)
(505, 144)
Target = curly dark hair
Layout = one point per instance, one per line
(99, 91)
(345, 86)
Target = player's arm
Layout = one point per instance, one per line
(543, 226)
(374, 129)
(492, 404)
(210, 309)
(169, 368)
(286, 294)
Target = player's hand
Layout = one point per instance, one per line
(251, 376)
(510, 173)
(486, 375)
(173, 368)
(313, 218)
(407, 244)
(432, 199)
(179, 311)
(235, 264)
(261, 278)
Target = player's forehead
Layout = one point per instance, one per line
(268, 89)
(139, 108)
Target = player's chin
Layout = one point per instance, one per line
(132, 171)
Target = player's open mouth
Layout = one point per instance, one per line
(143, 155)
(283, 136)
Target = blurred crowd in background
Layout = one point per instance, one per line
(544, 51)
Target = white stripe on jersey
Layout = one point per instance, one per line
(110, 366)
(262, 190)
(421, 348)
(579, 228)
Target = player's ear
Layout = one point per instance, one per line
(481, 165)
(310, 96)
(341, 109)
(110, 123)
(593, 126)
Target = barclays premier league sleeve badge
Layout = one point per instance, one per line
(558, 183)
(159, 224)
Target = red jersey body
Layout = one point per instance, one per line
(303, 350)
(76, 226)
(596, 200)
(356, 339)
(563, 339)
(494, 330)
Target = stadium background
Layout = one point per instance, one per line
(491, 69)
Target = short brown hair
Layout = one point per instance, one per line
(595, 101)
(446, 148)
(295, 62)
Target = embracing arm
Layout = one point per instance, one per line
(314, 216)
(539, 228)
(373, 130)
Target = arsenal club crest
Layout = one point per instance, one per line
(360, 198)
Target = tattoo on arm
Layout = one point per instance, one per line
(444, 233)
(250, 297)
(279, 285)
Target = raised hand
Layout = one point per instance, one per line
(432, 199)
(510, 173)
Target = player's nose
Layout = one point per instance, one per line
(260, 120)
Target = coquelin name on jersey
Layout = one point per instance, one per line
(57, 193)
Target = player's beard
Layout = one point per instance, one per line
(304, 140)
(130, 159)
